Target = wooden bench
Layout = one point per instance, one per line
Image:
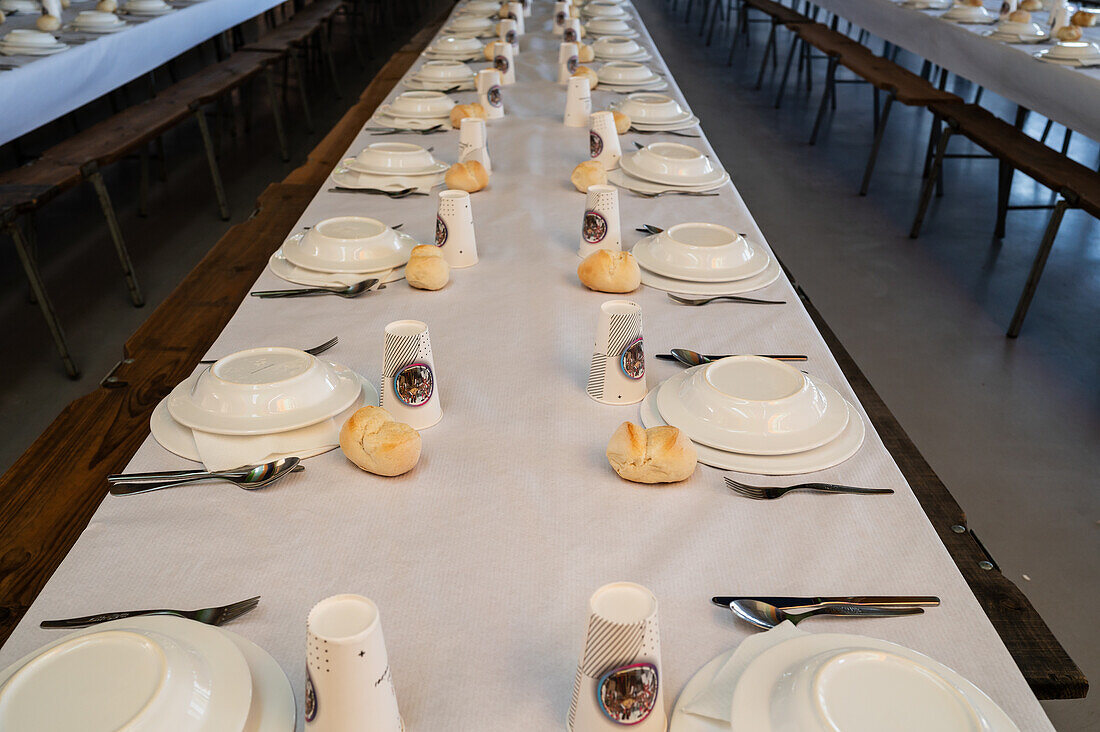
(1076, 185)
(778, 15)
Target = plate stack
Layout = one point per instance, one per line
(704, 259)
(416, 110)
(342, 251)
(23, 42)
(479, 9)
(442, 76)
(258, 405)
(148, 7)
(974, 14)
(610, 27)
(926, 4)
(155, 673)
(29, 7)
(455, 48)
(655, 113)
(603, 9)
(471, 26)
(94, 21)
(1011, 31)
(618, 48)
(668, 166)
(391, 166)
(629, 76)
(824, 682)
(757, 415)
(1071, 53)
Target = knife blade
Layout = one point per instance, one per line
(777, 357)
(790, 603)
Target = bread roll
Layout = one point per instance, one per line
(48, 23)
(974, 3)
(588, 173)
(1068, 33)
(622, 122)
(587, 73)
(469, 176)
(608, 271)
(1020, 16)
(490, 52)
(586, 53)
(1083, 18)
(1, 17)
(376, 443)
(427, 269)
(656, 455)
(461, 111)
(1031, 5)
(107, 6)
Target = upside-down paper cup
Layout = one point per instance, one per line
(603, 140)
(571, 30)
(600, 226)
(409, 390)
(616, 374)
(578, 102)
(504, 62)
(473, 142)
(454, 229)
(489, 93)
(514, 11)
(568, 60)
(561, 13)
(506, 33)
(348, 682)
(618, 681)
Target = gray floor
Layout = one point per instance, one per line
(1011, 427)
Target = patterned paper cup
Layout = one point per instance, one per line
(616, 374)
(561, 14)
(571, 30)
(409, 389)
(506, 33)
(454, 229)
(578, 102)
(473, 142)
(568, 60)
(600, 226)
(489, 93)
(514, 11)
(603, 140)
(504, 62)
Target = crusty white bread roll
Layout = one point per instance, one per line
(470, 176)
(1083, 18)
(586, 54)
(608, 271)
(656, 455)
(107, 6)
(622, 122)
(1068, 33)
(427, 269)
(48, 23)
(461, 111)
(587, 73)
(376, 443)
(1020, 16)
(588, 173)
(490, 49)
(1031, 5)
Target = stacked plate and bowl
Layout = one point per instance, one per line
(148, 7)
(1011, 31)
(668, 166)
(609, 26)
(1071, 53)
(26, 42)
(970, 14)
(651, 112)
(441, 76)
(95, 21)
(618, 48)
(455, 48)
(757, 415)
(155, 673)
(704, 259)
(629, 76)
(391, 166)
(603, 9)
(416, 110)
(471, 26)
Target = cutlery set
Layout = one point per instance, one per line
(351, 291)
(403, 193)
(434, 129)
(249, 477)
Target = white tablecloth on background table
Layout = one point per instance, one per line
(44, 88)
(1067, 95)
(482, 559)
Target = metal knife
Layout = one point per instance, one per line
(790, 603)
(780, 357)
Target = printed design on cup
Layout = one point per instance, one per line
(632, 360)
(509, 36)
(494, 96)
(440, 231)
(571, 64)
(414, 384)
(559, 18)
(627, 695)
(311, 698)
(595, 144)
(594, 227)
(569, 35)
(500, 64)
(510, 16)
(607, 645)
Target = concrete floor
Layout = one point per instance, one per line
(1012, 427)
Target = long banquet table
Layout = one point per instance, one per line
(482, 558)
(42, 88)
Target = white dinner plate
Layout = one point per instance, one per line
(1079, 63)
(859, 683)
(179, 440)
(400, 258)
(690, 121)
(446, 56)
(758, 261)
(102, 29)
(415, 84)
(9, 49)
(710, 289)
(147, 13)
(714, 178)
(658, 85)
(642, 55)
(1015, 38)
(384, 120)
(628, 33)
(827, 429)
(106, 675)
(283, 269)
(434, 169)
(820, 458)
(345, 178)
(682, 721)
(623, 179)
(273, 708)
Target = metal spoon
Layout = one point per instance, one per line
(732, 298)
(691, 358)
(350, 291)
(766, 616)
(256, 478)
(392, 194)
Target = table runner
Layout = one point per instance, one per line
(1069, 96)
(44, 88)
(483, 557)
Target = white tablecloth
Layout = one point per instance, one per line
(44, 88)
(483, 557)
(1069, 96)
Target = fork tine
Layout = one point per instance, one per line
(237, 609)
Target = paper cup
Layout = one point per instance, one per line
(527, 8)
(489, 93)
(348, 681)
(603, 140)
(506, 33)
(619, 679)
(473, 143)
(616, 374)
(504, 62)
(600, 226)
(454, 229)
(514, 11)
(561, 13)
(578, 102)
(409, 390)
(571, 30)
(568, 60)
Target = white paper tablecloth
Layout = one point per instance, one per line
(44, 88)
(482, 559)
(1069, 96)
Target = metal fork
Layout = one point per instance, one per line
(672, 193)
(674, 133)
(404, 192)
(732, 298)
(210, 615)
(315, 351)
(762, 493)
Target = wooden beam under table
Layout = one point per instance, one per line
(48, 496)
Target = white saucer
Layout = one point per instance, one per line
(819, 458)
(283, 269)
(757, 263)
(147, 13)
(1015, 38)
(629, 33)
(682, 721)
(1077, 63)
(273, 708)
(121, 26)
(937, 697)
(623, 179)
(705, 289)
(345, 178)
(11, 50)
(356, 167)
(642, 55)
(383, 119)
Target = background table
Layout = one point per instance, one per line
(483, 557)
